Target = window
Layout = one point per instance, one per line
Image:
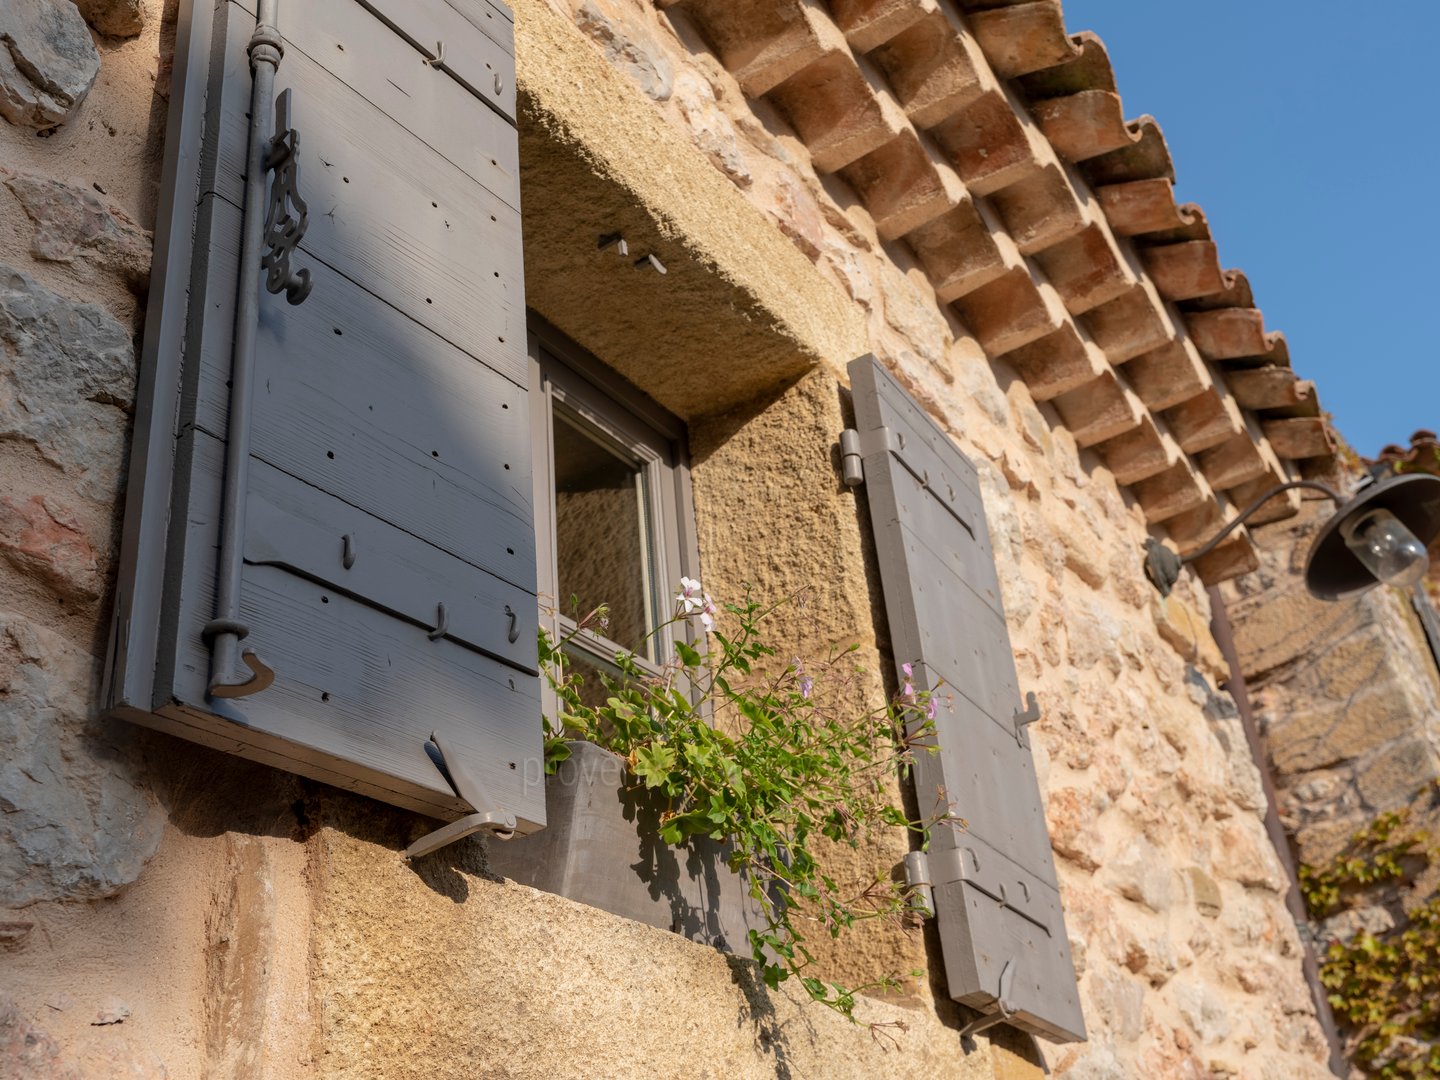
(613, 516)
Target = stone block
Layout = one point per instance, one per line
(114, 18)
(1072, 816)
(72, 224)
(1244, 853)
(1393, 776)
(39, 538)
(1323, 733)
(67, 382)
(78, 823)
(1187, 632)
(1202, 1008)
(1204, 892)
(48, 62)
(1141, 872)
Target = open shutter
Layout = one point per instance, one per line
(996, 897)
(387, 556)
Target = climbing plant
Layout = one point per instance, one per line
(1384, 987)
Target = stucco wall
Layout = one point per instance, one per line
(253, 924)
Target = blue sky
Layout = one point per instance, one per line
(1308, 131)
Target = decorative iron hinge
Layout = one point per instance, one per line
(284, 230)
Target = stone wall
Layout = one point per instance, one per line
(171, 911)
(1347, 697)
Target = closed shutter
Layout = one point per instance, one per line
(996, 897)
(388, 573)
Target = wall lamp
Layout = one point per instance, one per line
(1378, 535)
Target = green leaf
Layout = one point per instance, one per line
(688, 656)
(653, 764)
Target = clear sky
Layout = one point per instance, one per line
(1309, 130)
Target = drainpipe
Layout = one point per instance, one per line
(1220, 630)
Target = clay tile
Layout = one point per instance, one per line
(1237, 294)
(1090, 70)
(1147, 159)
(1022, 38)
(1084, 125)
(868, 24)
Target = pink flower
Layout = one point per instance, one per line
(930, 709)
(907, 689)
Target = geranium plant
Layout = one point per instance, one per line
(741, 747)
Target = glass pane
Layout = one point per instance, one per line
(602, 533)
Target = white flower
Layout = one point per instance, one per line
(690, 597)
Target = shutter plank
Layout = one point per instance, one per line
(356, 690)
(386, 211)
(420, 432)
(292, 525)
(996, 893)
(343, 37)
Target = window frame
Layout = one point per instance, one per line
(565, 374)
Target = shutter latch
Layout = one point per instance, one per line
(1026, 718)
(1003, 1009)
(487, 814)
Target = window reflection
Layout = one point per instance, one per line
(602, 533)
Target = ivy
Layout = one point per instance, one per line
(776, 765)
(1384, 987)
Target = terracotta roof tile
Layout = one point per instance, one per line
(994, 144)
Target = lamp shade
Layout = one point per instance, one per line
(1332, 571)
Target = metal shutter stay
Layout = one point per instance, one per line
(276, 152)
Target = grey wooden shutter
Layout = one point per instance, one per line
(996, 897)
(389, 557)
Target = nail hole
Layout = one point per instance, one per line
(436, 205)
(512, 764)
(339, 332)
(324, 599)
(428, 300)
(492, 217)
(339, 46)
(434, 453)
(504, 406)
(330, 454)
(502, 341)
(346, 179)
(507, 466)
(325, 696)
(494, 162)
(509, 551)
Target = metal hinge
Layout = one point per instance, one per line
(855, 447)
(488, 815)
(1026, 718)
(917, 880)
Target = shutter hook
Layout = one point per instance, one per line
(439, 57)
(261, 676)
(1026, 718)
(514, 633)
(347, 552)
(442, 623)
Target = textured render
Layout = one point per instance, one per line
(275, 932)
